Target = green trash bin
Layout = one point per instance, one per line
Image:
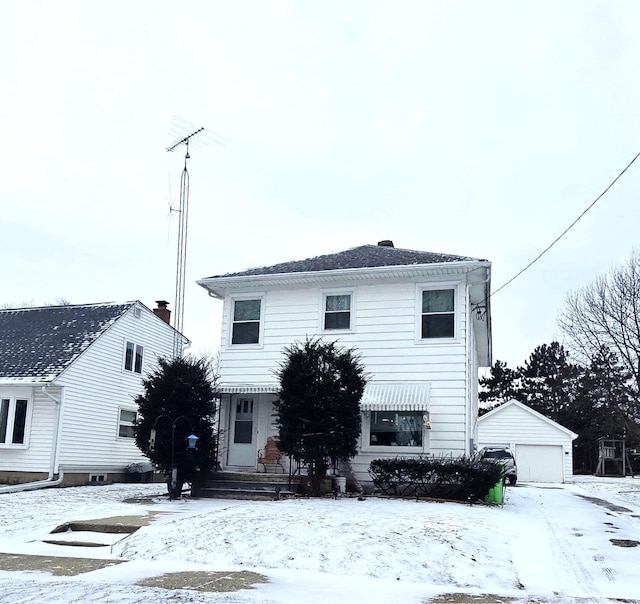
(496, 492)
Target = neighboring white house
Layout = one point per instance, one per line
(68, 379)
(421, 322)
(543, 448)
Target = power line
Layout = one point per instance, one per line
(613, 182)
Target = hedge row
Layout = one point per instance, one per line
(458, 478)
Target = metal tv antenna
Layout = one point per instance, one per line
(189, 132)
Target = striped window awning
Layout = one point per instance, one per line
(248, 388)
(408, 396)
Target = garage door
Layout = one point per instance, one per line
(539, 463)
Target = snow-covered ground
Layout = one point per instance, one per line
(548, 543)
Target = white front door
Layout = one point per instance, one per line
(242, 445)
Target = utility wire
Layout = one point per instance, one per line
(567, 229)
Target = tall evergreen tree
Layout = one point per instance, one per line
(178, 400)
(321, 386)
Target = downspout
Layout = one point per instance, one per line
(469, 377)
(49, 481)
(467, 415)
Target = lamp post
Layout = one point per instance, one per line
(191, 439)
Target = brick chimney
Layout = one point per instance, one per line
(162, 311)
(385, 243)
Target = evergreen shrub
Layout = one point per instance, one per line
(457, 478)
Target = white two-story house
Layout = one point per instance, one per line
(421, 322)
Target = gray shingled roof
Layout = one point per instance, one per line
(364, 256)
(37, 344)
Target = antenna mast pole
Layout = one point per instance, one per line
(181, 259)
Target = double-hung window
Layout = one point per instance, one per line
(246, 321)
(126, 421)
(133, 357)
(14, 414)
(437, 313)
(337, 311)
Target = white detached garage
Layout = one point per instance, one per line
(542, 447)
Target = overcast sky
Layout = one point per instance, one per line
(474, 128)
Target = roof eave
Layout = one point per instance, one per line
(218, 286)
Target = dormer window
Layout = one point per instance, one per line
(337, 311)
(133, 357)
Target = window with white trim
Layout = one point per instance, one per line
(14, 417)
(396, 428)
(336, 311)
(245, 326)
(437, 314)
(133, 357)
(126, 422)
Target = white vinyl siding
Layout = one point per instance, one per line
(384, 333)
(96, 389)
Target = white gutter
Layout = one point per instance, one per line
(49, 481)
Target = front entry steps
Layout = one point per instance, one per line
(244, 485)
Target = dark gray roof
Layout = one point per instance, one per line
(364, 256)
(36, 344)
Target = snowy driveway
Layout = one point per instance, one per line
(568, 543)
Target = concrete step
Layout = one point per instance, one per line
(241, 485)
(220, 492)
(253, 477)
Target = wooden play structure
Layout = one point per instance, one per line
(613, 458)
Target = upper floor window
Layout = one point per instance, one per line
(133, 357)
(246, 321)
(337, 311)
(438, 313)
(13, 421)
(126, 422)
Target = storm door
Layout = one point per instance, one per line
(242, 446)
